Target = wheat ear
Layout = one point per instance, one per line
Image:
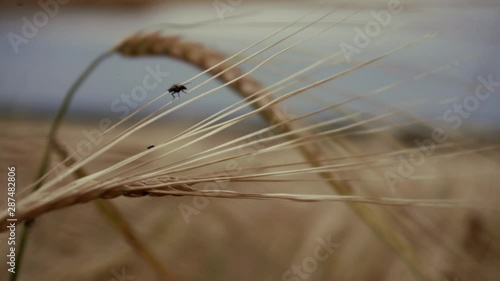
(141, 45)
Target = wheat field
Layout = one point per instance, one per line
(307, 172)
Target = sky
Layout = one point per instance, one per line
(35, 74)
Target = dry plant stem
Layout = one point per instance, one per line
(168, 185)
(204, 58)
(114, 217)
(262, 97)
(106, 208)
(153, 117)
(400, 202)
(63, 109)
(159, 113)
(165, 188)
(46, 154)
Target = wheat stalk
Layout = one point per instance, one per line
(214, 63)
(153, 44)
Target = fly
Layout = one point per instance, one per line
(176, 89)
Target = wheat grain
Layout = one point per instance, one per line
(154, 44)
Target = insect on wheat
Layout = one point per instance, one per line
(176, 89)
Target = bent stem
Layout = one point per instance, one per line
(112, 214)
(153, 44)
(62, 112)
(114, 217)
(107, 209)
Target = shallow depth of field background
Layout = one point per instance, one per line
(34, 80)
(246, 239)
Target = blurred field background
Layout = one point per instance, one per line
(252, 239)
